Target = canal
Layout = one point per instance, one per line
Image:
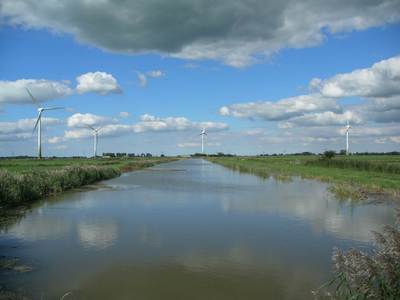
(188, 229)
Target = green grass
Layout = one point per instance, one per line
(26, 180)
(376, 174)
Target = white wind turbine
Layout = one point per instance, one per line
(96, 136)
(203, 133)
(38, 123)
(347, 128)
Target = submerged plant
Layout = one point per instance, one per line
(359, 275)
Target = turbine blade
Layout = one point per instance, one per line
(53, 108)
(37, 122)
(33, 98)
(90, 127)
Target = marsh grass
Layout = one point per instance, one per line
(360, 275)
(23, 181)
(356, 164)
(355, 177)
(18, 188)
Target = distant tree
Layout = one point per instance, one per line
(149, 155)
(342, 152)
(329, 154)
(109, 154)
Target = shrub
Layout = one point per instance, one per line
(359, 275)
(329, 154)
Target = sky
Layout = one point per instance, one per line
(260, 76)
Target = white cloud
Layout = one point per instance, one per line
(88, 119)
(110, 130)
(97, 82)
(55, 140)
(142, 79)
(124, 114)
(14, 92)
(380, 80)
(152, 123)
(23, 129)
(326, 118)
(233, 32)
(147, 123)
(155, 73)
(283, 109)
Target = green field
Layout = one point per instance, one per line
(353, 176)
(25, 180)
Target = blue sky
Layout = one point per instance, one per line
(196, 88)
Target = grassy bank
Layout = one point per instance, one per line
(354, 176)
(26, 180)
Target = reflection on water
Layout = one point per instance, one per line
(97, 234)
(188, 230)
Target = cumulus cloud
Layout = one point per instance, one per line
(14, 92)
(282, 109)
(88, 119)
(380, 80)
(109, 130)
(155, 73)
(234, 32)
(143, 77)
(326, 118)
(22, 129)
(152, 123)
(147, 123)
(124, 114)
(378, 87)
(55, 140)
(97, 82)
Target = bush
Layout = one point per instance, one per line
(362, 276)
(329, 154)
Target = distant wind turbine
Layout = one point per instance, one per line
(96, 135)
(347, 137)
(38, 123)
(203, 133)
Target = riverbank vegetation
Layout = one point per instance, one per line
(26, 180)
(353, 176)
(360, 275)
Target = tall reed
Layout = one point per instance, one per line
(18, 188)
(360, 275)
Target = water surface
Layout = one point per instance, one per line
(187, 230)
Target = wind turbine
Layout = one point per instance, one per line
(96, 135)
(347, 128)
(203, 133)
(38, 123)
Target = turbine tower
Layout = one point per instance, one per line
(203, 133)
(95, 135)
(38, 123)
(347, 137)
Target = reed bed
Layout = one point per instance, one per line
(18, 188)
(356, 164)
(360, 275)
